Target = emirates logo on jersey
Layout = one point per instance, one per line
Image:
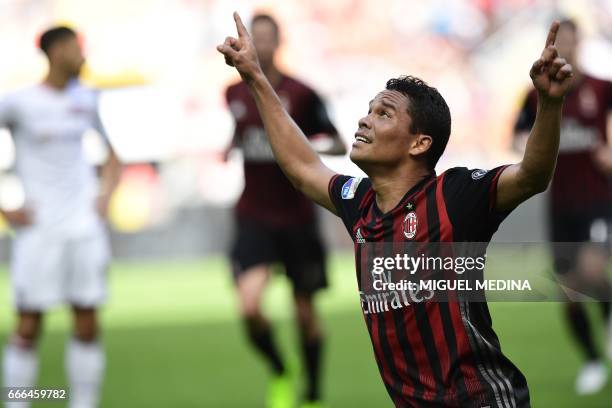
(410, 225)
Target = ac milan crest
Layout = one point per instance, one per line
(410, 225)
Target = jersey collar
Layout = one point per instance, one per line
(416, 188)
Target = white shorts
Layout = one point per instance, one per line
(49, 269)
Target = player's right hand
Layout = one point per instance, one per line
(551, 74)
(240, 52)
(18, 218)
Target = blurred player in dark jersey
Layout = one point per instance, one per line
(580, 204)
(429, 354)
(277, 223)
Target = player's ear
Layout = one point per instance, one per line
(420, 145)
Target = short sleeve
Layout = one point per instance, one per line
(527, 114)
(347, 194)
(317, 119)
(470, 202)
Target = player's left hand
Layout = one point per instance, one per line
(551, 74)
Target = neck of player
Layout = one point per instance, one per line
(391, 184)
(57, 78)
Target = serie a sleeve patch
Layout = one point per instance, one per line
(350, 187)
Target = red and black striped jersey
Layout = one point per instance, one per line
(268, 196)
(433, 354)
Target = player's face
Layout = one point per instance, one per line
(265, 39)
(70, 56)
(567, 43)
(384, 136)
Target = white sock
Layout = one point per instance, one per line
(85, 363)
(20, 369)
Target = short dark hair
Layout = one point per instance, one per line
(429, 113)
(262, 17)
(53, 36)
(569, 23)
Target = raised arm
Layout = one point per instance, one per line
(292, 150)
(551, 76)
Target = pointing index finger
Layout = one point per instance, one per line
(552, 33)
(242, 31)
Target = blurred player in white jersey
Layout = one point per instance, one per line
(60, 251)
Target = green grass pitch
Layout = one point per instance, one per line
(173, 340)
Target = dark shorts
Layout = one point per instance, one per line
(577, 227)
(299, 249)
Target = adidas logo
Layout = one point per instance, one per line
(359, 238)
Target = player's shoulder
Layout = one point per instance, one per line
(294, 81)
(462, 180)
(347, 187)
(455, 172)
(83, 95)
(593, 80)
(9, 98)
(22, 96)
(464, 187)
(77, 86)
(297, 86)
(599, 84)
(85, 89)
(464, 174)
(24, 93)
